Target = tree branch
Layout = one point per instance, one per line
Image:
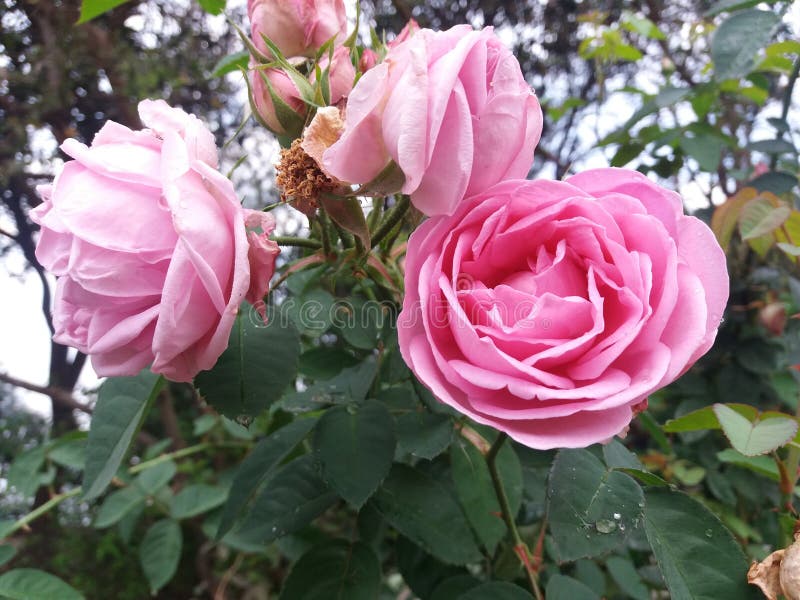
(56, 394)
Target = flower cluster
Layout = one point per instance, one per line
(546, 309)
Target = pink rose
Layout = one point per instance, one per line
(406, 32)
(550, 310)
(289, 116)
(450, 108)
(296, 27)
(150, 247)
(369, 58)
(341, 75)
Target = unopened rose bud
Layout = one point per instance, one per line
(369, 58)
(341, 74)
(773, 317)
(296, 27)
(277, 101)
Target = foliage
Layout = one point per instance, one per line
(310, 463)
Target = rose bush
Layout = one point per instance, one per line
(296, 27)
(550, 310)
(151, 247)
(450, 108)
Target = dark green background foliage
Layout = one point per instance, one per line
(309, 463)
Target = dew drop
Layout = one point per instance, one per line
(617, 516)
(605, 526)
(709, 533)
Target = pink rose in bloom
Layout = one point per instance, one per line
(282, 122)
(152, 250)
(342, 73)
(550, 310)
(450, 108)
(296, 27)
(406, 32)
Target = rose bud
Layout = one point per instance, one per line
(296, 27)
(277, 101)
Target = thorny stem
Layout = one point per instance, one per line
(520, 547)
(391, 219)
(297, 241)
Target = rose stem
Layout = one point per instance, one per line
(520, 547)
(391, 219)
(296, 241)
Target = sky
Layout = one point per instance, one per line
(24, 337)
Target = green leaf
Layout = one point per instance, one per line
(151, 480)
(698, 557)
(33, 584)
(752, 439)
(773, 146)
(160, 552)
(561, 587)
(259, 466)
(454, 587)
(591, 510)
(70, 453)
(196, 499)
(355, 446)
(733, 5)
(94, 8)
(350, 385)
(763, 465)
(705, 149)
(336, 570)
(422, 572)
(629, 581)
(7, 552)
(777, 182)
(359, 322)
(294, 497)
(641, 25)
(260, 362)
(644, 477)
(738, 39)
(423, 510)
(23, 475)
(122, 405)
(230, 64)
(214, 7)
(324, 363)
(496, 590)
(760, 217)
(476, 493)
(348, 214)
(617, 456)
(118, 504)
(423, 434)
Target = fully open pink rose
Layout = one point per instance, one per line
(550, 310)
(450, 108)
(296, 27)
(153, 252)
